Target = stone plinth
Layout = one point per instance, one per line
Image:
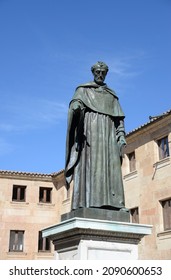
(94, 239)
(97, 213)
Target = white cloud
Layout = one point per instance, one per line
(6, 127)
(32, 114)
(51, 112)
(127, 65)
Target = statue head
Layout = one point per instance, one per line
(99, 71)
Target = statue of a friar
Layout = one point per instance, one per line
(95, 138)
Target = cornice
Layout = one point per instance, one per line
(29, 175)
(75, 235)
(152, 125)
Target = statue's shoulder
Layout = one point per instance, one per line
(94, 85)
(86, 85)
(111, 91)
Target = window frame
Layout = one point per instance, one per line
(134, 213)
(16, 241)
(166, 211)
(163, 147)
(44, 244)
(17, 193)
(132, 161)
(45, 195)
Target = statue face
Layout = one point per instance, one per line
(99, 75)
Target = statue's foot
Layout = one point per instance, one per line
(124, 209)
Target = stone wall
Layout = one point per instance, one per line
(149, 184)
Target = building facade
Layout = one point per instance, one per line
(147, 183)
(30, 202)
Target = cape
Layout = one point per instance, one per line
(100, 99)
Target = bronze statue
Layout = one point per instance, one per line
(95, 138)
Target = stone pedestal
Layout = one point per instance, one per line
(97, 213)
(82, 238)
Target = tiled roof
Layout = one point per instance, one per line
(152, 119)
(57, 173)
(30, 174)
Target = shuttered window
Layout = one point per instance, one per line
(166, 205)
(44, 243)
(132, 162)
(16, 241)
(163, 146)
(45, 195)
(18, 193)
(134, 215)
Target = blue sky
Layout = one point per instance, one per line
(47, 48)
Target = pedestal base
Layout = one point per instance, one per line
(98, 213)
(93, 239)
(98, 250)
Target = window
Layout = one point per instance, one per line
(134, 215)
(18, 193)
(44, 243)
(163, 146)
(166, 206)
(16, 241)
(45, 195)
(132, 162)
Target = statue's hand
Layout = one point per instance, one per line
(76, 107)
(121, 143)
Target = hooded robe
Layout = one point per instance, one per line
(93, 159)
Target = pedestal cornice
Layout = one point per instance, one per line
(76, 229)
